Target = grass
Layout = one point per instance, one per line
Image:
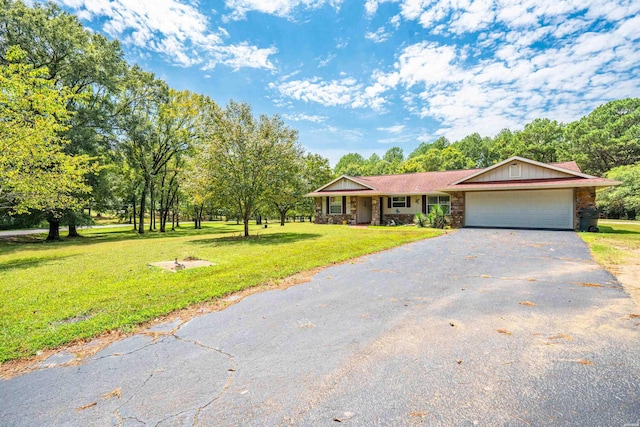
(56, 293)
(617, 243)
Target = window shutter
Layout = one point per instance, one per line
(424, 203)
(408, 201)
(389, 202)
(344, 205)
(328, 206)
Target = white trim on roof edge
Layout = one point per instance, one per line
(522, 159)
(350, 178)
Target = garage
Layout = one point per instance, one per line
(552, 209)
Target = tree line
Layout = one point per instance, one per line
(606, 142)
(81, 129)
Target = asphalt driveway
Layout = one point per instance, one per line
(478, 327)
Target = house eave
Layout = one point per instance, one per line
(541, 186)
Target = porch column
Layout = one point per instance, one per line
(354, 209)
(457, 209)
(375, 210)
(317, 219)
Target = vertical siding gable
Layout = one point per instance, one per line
(345, 184)
(527, 171)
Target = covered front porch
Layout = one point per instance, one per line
(352, 210)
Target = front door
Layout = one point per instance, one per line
(364, 210)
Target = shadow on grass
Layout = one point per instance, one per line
(29, 262)
(605, 229)
(264, 239)
(17, 243)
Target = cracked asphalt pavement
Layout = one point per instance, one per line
(477, 327)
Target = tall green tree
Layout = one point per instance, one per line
(622, 201)
(606, 138)
(157, 124)
(249, 156)
(541, 140)
(476, 150)
(440, 143)
(35, 171)
(350, 164)
(84, 62)
(315, 173)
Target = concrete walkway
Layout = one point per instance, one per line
(478, 327)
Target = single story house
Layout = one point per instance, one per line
(515, 193)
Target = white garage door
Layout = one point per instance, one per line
(526, 209)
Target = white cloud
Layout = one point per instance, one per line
(173, 28)
(298, 117)
(371, 6)
(392, 129)
(537, 62)
(378, 36)
(345, 92)
(282, 8)
(323, 62)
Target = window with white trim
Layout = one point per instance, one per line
(399, 202)
(335, 205)
(515, 171)
(439, 200)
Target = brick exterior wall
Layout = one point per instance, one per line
(585, 199)
(457, 209)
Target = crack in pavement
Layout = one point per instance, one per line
(116, 411)
(231, 371)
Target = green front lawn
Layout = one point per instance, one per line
(56, 293)
(617, 243)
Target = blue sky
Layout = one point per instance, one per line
(365, 76)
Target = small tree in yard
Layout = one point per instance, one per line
(250, 157)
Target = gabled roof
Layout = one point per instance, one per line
(553, 166)
(403, 184)
(350, 178)
(570, 176)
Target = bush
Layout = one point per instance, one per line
(421, 220)
(438, 216)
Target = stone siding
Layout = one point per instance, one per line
(585, 199)
(349, 217)
(399, 219)
(375, 210)
(457, 209)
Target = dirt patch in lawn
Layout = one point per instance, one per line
(175, 265)
(629, 276)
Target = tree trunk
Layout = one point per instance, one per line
(176, 212)
(143, 198)
(54, 229)
(73, 231)
(246, 227)
(283, 214)
(134, 212)
(152, 207)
